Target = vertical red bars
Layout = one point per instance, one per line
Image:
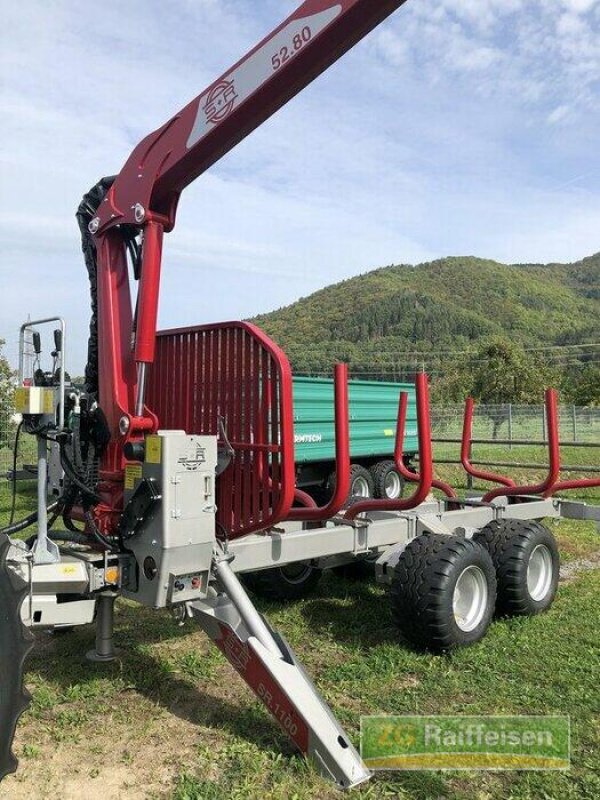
(232, 371)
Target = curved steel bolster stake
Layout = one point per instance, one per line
(574, 483)
(268, 665)
(406, 473)
(546, 486)
(425, 479)
(342, 455)
(465, 449)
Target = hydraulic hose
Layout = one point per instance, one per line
(14, 474)
(74, 478)
(25, 523)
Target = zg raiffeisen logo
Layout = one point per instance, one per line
(460, 742)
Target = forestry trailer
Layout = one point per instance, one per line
(172, 472)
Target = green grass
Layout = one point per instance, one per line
(174, 721)
(169, 682)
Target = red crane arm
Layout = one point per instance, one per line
(300, 49)
(144, 197)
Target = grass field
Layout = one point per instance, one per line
(171, 719)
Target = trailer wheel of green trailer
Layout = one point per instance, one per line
(291, 582)
(526, 560)
(387, 481)
(443, 592)
(361, 483)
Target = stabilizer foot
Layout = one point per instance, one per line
(269, 666)
(104, 650)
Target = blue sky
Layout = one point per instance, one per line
(458, 127)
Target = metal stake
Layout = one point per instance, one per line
(44, 550)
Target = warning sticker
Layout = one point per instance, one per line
(133, 473)
(153, 449)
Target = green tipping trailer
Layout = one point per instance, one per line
(373, 416)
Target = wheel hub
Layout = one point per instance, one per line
(360, 487)
(470, 598)
(539, 572)
(393, 486)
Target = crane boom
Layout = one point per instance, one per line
(280, 66)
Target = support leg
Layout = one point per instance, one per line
(105, 612)
(268, 665)
(44, 550)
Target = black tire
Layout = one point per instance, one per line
(381, 473)
(359, 476)
(511, 544)
(423, 591)
(292, 582)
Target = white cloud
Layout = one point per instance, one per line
(460, 126)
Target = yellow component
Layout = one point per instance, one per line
(133, 473)
(48, 401)
(111, 575)
(389, 432)
(22, 400)
(153, 449)
(34, 400)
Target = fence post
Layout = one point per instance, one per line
(510, 426)
(574, 423)
(544, 422)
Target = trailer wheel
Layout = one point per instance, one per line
(526, 560)
(361, 483)
(388, 482)
(291, 582)
(443, 592)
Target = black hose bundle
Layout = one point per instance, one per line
(13, 504)
(85, 213)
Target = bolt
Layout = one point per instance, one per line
(139, 212)
(124, 425)
(94, 225)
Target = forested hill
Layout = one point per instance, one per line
(385, 319)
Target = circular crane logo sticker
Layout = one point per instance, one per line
(220, 101)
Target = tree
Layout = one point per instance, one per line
(504, 373)
(583, 385)
(7, 388)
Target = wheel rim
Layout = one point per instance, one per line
(296, 573)
(470, 598)
(392, 485)
(360, 487)
(539, 572)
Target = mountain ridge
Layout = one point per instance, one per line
(449, 304)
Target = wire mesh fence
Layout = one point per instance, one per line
(517, 423)
(511, 423)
